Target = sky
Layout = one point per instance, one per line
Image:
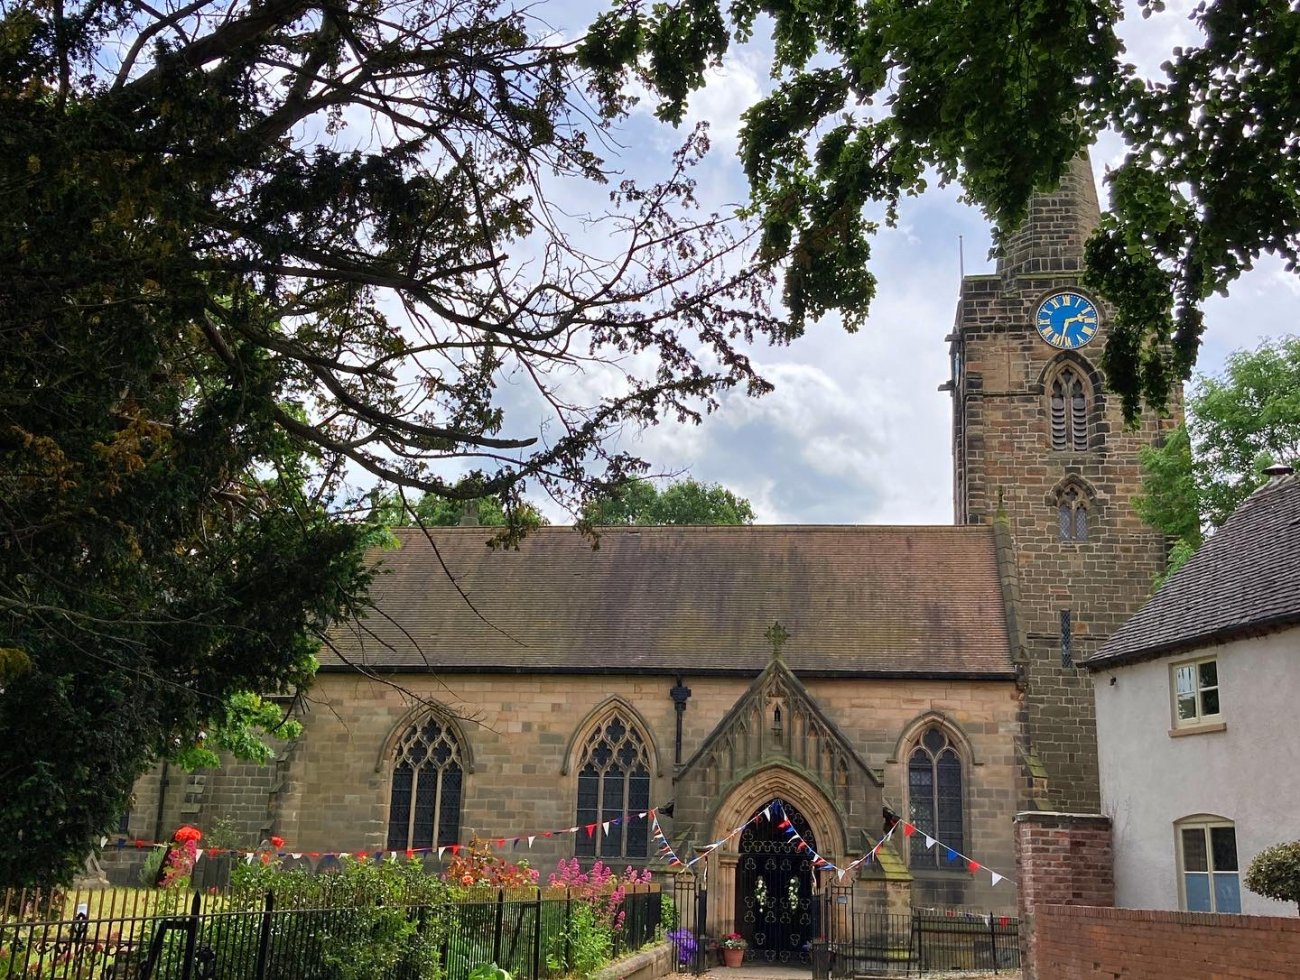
(856, 430)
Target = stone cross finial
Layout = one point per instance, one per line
(776, 635)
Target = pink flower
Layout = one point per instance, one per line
(467, 879)
(277, 842)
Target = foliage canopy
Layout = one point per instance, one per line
(1001, 96)
(249, 250)
(681, 502)
(1237, 425)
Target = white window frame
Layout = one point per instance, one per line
(1204, 824)
(1202, 717)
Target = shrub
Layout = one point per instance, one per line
(1275, 873)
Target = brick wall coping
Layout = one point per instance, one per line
(1218, 920)
(1052, 818)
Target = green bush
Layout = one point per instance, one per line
(1275, 873)
(588, 939)
(366, 920)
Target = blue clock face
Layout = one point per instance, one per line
(1066, 320)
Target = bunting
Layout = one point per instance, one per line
(663, 849)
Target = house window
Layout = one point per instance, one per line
(1069, 407)
(1196, 692)
(1207, 858)
(1072, 514)
(934, 800)
(613, 785)
(424, 804)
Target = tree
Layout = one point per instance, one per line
(1001, 96)
(683, 502)
(1275, 873)
(217, 308)
(1237, 425)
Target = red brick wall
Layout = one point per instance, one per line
(1061, 859)
(1076, 942)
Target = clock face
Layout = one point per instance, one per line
(1066, 320)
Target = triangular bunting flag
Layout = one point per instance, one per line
(841, 874)
(198, 853)
(767, 812)
(103, 841)
(950, 854)
(605, 826)
(972, 866)
(909, 829)
(996, 877)
(591, 830)
(531, 838)
(929, 842)
(248, 858)
(296, 856)
(454, 848)
(441, 848)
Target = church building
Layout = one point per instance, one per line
(857, 675)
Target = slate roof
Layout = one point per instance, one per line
(874, 601)
(1244, 580)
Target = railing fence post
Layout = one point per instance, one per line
(191, 935)
(264, 937)
(537, 936)
(568, 925)
(497, 926)
(993, 941)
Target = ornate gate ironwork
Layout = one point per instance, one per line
(775, 907)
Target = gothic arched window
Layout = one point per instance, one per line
(1069, 403)
(613, 783)
(934, 800)
(1072, 514)
(424, 803)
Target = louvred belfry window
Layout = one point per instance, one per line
(1069, 412)
(424, 804)
(613, 785)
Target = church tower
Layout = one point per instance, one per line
(1040, 449)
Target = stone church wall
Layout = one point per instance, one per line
(329, 791)
(524, 730)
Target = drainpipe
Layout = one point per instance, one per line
(162, 800)
(679, 694)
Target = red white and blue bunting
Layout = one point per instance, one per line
(663, 849)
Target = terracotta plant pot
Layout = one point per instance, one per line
(733, 957)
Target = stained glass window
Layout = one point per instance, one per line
(424, 803)
(613, 786)
(934, 800)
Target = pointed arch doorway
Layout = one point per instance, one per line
(776, 908)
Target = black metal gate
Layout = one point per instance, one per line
(775, 910)
(687, 931)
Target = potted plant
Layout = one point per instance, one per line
(733, 947)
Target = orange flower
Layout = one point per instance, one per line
(277, 842)
(467, 879)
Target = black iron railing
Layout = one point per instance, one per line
(929, 940)
(532, 934)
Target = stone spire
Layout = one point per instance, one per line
(1051, 239)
